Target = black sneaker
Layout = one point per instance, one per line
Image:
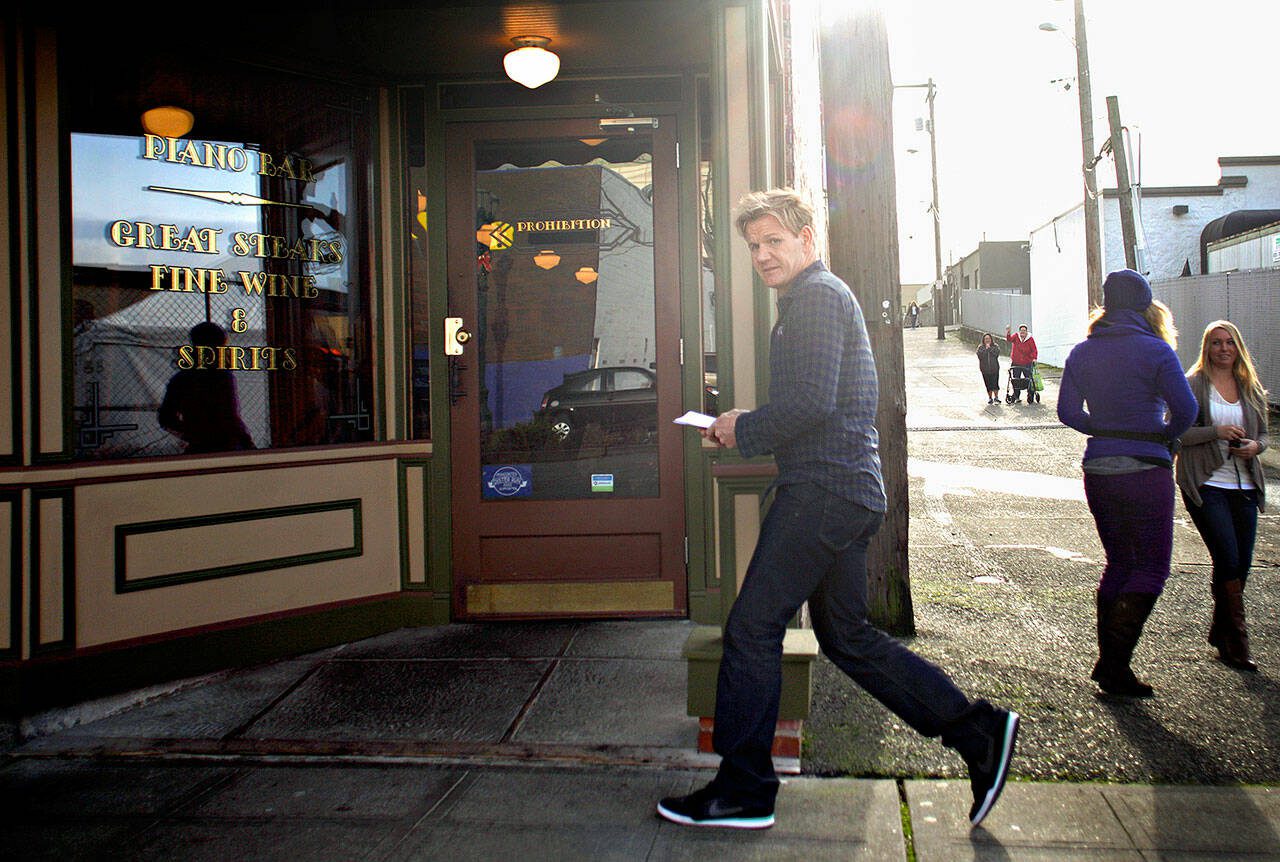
(706, 807)
(987, 773)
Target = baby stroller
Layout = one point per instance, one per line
(1019, 379)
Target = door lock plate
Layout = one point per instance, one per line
(454, 336)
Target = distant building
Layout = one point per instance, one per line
(1173, 219)
(1002, 266)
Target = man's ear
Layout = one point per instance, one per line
(808, 237)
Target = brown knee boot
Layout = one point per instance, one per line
(1233, 650)
(1215, 625)
(1119, 634)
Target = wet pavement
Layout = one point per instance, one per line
(554, 741)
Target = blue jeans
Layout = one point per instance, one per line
(813, 546)
(1228, 523)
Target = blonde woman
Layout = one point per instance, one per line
(1138, 403)
(1221, 479)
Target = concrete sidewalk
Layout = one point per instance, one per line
(519, 741)
(543, 741)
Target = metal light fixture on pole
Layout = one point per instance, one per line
(1092, 228)
(937, 220)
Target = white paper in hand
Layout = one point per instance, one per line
(696, 419)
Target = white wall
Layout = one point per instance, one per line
(1174, 239)
(1059, 300)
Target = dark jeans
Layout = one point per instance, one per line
(1134, 516)
(813, 545)
(1228, 523)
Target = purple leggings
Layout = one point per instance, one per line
(1134, 514)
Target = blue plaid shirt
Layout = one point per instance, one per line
(820, 420)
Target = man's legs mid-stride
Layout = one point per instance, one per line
(813, 546)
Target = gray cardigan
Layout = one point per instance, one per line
(1200, 455)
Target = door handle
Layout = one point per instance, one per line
(455, 337)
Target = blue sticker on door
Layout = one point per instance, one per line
(500, 482)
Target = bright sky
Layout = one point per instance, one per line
(1195, 81)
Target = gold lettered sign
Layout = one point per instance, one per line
(217, 241)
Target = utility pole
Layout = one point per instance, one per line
(1122, 183)
(938, 292)
(863, 225)
(1092, 227)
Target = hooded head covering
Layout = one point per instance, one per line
(1125, 288)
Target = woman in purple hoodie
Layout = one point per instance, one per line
(1138, 401)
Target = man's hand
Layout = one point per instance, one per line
(722, 431)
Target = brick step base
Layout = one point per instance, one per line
(786, 739)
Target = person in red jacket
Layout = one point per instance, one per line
(1022, 356)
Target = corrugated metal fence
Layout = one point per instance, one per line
(1250, 300)
(989, 311)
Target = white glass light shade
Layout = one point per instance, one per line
(531, 64)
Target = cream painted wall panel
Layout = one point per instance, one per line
(746, 530)
(103, 616)
(416, 523)
(51, 568)
(151, 555)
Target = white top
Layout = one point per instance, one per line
(1230, 475)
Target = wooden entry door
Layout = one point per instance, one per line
(567, 471)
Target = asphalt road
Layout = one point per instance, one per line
(1004, 560)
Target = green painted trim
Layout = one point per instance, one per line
(123, 531)
(14, 650)
(438, 480)
(34, 685)
(704, 599)
(13, 149)
(378, 216)
(68, 640)
(730, 489)
(65, 281)
(761, 175)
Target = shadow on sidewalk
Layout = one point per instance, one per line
(1229, 808)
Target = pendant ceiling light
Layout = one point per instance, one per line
(531, 63)
(168, 121)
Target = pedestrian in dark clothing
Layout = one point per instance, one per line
(989, 365)
(201, 405)
(1138, 402)
(1221, 479)
(914, 313)
(829, 501)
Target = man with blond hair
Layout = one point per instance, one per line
(828, 502)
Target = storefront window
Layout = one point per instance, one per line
(220, 276)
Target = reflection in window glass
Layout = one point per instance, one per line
(219, 285)
(706, 225)
(566, 318)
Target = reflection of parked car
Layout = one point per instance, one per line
(610, 397)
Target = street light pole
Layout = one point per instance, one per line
(937, 220)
